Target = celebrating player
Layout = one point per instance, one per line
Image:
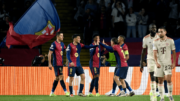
(74, 66)
(162, 55)
(148, 44)
(95, 64)
(121, 64)
(121, 39)
(57, 48)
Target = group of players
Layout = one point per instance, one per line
(158, 62)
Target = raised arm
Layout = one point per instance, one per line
(68, 52)
(109, 48)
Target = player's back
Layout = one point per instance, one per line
(148, 43)
(120, 57)
(164, 48)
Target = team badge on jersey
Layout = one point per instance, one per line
(76, 55)
(167, 44)
(61, 53)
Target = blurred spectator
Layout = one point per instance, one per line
(104, 61)
(103, 2)
(4, 28)
(103, 30)
(142, 19)
(93, 7)
(118, 19)
(161, 12)
(173, 15)
(130, 3)
(79, 15)
(40, 60)
(122, 4)
(131, 23)
(88, 26)
(3, 13)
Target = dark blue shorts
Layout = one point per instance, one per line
(58, 70)
(122, 72)
(95, 70)
(73, 70)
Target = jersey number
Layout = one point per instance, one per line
(123, 54)
(163, 50)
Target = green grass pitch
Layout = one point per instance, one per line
(77, 98)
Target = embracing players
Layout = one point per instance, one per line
(122, 67)
(57, 48)
(151, 65)
(74, 65)
(162, 55)
(121, 39)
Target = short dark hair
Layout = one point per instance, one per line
(122, 36)
(163, 28)
(114, 40)
(58, 33)
(75, 35)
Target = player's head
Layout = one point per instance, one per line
(76, 38)
(121, 38)
(114, 41)
(152, 29)
(96, 37)
(162, 32)
(60, 36)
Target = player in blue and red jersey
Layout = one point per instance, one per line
(74, 65)
(122, 66)
(121, 39)
(95, 64)
(57, 48)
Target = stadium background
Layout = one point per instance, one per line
(21, 80)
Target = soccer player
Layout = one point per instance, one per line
(57, 48)
(162, 55)
(121, 39)
(122, 66)
(148, 45)
(95, 64)
(74, 65)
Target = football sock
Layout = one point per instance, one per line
(54, 86)
(153, 88)
(81, 88)
(71, 89)
(161, 90)
(170, 88)
(63, 85)
(124, 90)
(96, 84)
(114, 87)
(127, 86)
(165, 86)
(120, 87)
(92, 86)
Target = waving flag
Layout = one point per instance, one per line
(38, 25)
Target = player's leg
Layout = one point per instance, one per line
(96, 82)
(92, 83)
(114, 85)
(168, 75)
(61, 78)
(71, 73)
(57, 74)
(153, 86)
(80, 71)
(165, 86)
(129, 88)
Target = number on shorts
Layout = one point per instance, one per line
(95, 70)
(167, 67)
(70, 70)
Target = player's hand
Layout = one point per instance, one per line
(103, 41)
(50, 66)
(158, 65)
(98, 41)
(173, 66)
(72, 64)
(141, 69)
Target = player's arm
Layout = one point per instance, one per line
(92, 51)
(109, 48)
(49, 59)
(155, 54)
(143, 54)
(174, 54)
(87, 47)
(68, 52)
